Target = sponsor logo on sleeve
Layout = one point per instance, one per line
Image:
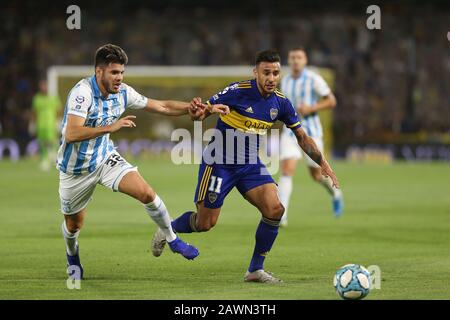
(79, 99)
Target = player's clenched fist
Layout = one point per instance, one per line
(218, 108)
(197, 109)
(196, 103)
(124, 122)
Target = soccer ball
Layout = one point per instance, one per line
(352, 282)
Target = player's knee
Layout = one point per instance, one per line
(276, 211)
(288, 168)
(279, 210)
(287, 171)
(145, 195)
(316, 176)
(73, 226)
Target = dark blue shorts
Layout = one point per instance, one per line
(217, 180)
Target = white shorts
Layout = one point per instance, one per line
(289, 148)
(75, 191)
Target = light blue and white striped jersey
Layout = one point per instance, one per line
(307, 88)
(85, 100)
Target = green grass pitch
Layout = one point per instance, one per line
(396, 216)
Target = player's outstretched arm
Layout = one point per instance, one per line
(167, 107)
(196, 109)
(309, 146)
(76, 131)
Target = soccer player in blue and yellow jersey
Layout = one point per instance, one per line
(230, 160)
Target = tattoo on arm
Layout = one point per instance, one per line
(309, 146)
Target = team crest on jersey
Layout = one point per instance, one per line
(212, 196)
(273, 113)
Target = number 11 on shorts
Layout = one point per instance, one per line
(213, 187)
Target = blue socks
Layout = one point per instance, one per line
(182, 224)
(265, 237)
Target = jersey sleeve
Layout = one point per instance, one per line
(79, 101)
(134, 99)
(224, 96)
(321, 87)
(289, 115)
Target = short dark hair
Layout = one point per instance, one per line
(299, 48)
(110, 53)
(267, 56)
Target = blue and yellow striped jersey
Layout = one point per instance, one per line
(251, 113)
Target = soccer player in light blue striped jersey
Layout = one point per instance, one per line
(87, 156)
(310, 94)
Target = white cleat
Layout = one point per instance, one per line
(261, 276)
(158, 242)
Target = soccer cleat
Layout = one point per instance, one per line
(74, 266)
(185, 249)
(338, 206)
(158, 242)
(261, 276)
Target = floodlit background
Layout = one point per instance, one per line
(388, 138)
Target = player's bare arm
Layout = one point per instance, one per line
(327, 102)
(309, 146)
(196, 109)
(76, 131)
(167, 107)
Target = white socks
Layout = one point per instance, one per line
(71, 239)
(328, 184)
(284, 191)
(158, 212)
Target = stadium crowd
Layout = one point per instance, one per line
(388, 81)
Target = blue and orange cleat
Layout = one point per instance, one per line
(185, 249)
(74, 266)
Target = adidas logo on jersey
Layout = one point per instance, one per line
(249, 110)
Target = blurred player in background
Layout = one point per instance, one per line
(255, 106)
(310, 94)
(45, 112)
(87, 156)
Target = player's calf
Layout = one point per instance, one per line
(205, 223)
(202, 220)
